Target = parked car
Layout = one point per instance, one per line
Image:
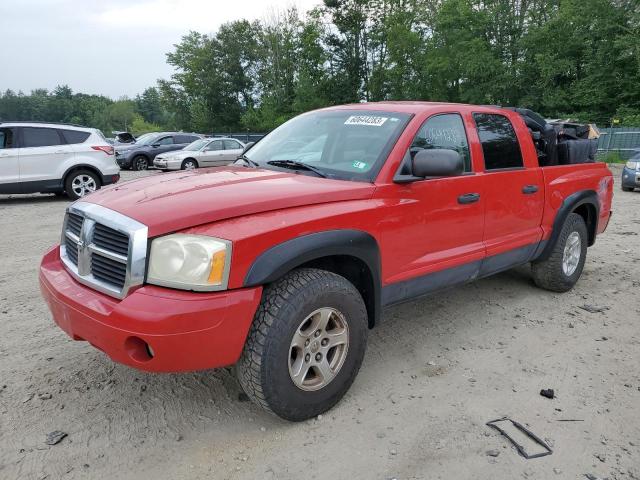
(206, 152)
(140, 155)
(631, 173)
(54, 158)
(282, 266)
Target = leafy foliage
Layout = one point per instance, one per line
(563, 58)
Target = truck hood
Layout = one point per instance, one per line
(170, 202)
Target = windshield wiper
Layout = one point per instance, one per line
(247, 161)
(296, 165)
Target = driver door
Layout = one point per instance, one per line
(213, 154)
(436, 225)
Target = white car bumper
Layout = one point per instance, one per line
(168, 163)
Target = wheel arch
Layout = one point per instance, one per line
(82, 166)
(353, 254)
(586, 204)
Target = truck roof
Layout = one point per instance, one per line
(407, 106)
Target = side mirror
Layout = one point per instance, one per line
(155, 145)
(247, 147)
(437, 163)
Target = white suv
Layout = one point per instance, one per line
(54, 158)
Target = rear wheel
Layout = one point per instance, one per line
(81, 183)
(189, 164)
(306, 344)
(562, 269)
(627, 189)
(139, 163)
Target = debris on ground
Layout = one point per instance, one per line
(243, 397)
(528, 444)
(593, 308)
(493, 453)
(55, 437)
(547, 392)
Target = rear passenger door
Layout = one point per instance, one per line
(232, 150)
(9, 161)
(513, 191)
(43, 155)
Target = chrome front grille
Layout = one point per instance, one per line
(103, 249)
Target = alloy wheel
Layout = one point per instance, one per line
(318, 349)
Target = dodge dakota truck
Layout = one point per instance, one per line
(281, 263)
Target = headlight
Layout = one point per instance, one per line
(190, 262)
(633, 165)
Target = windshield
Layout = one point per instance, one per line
(197, 145)
(343, 144)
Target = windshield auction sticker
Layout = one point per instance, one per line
(369, 120)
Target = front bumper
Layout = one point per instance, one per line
(154, 329)
(630, 178)
(167, 163)
(124, 161)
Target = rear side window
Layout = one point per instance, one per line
(231, 145)
(40, 137)
(444, 131)
(7, 139)
(74, 136)
(500, 145)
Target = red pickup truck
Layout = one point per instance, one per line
(282, 262)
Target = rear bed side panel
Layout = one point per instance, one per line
(562, 181)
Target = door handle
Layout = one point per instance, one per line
(468, 198)
(529, 189)
(59, 151)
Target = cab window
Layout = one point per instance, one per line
(445, 131)
(500, 145)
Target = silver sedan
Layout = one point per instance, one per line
(207, 152)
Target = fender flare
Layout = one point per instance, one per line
(275, 262)
(569, 204)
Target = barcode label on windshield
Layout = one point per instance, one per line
(366, 120)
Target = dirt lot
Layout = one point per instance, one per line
(435, 372)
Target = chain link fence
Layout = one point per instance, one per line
(623, 141)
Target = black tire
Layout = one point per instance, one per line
(139, 162)
(71, 188)
(549, 274)
(627, 189)
(263, 369)
(187, 162)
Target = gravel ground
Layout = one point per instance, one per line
(434, 373)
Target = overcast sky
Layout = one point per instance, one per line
(109, 47)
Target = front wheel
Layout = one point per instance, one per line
(189, 164)
(562, 269)
(306, 344)
(81, 183)
(140, 163)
